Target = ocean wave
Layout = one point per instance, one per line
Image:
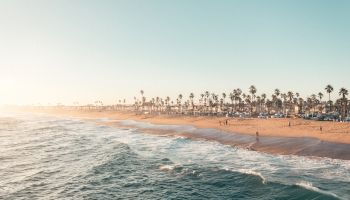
(309, 186)
(51, 128)
(180, 137)
(105, 119)
(249, 172)
(255, 173)
(179, 170)
(166, 167)
(169, 167)
(126, 160)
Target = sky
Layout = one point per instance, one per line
(62, 51)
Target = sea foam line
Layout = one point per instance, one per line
(252, 172)
(309, 186)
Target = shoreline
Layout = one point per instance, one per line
(303, 137)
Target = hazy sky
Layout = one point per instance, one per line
(69, 50)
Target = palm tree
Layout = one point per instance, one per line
(320, 96)
(223, 100)
(158, 100)
(284, 97)
(179, 102)
(214, 101)
(224, 96)
(216, 98)
(313, 101)
(239, 92)
(152, 104)
(268, 105)
(343, 92)
(191, 98)
(248, 102)
(167, 102)
(232, 98)
(136, 106)
(252, 90)
(143, 99)
(300, 105)
(290, 96)
(280, 102)
(257, 104)
(276, 100)
(329, 89)
(237, 96)
(207, 94)
(263, 101)
(344, 101)
(277, 92)
(221, 104)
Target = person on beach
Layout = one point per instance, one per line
(257, 136)
(289, 123)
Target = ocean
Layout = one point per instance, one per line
(47, 157)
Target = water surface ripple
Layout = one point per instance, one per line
(46, 157)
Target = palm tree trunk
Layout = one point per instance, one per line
(329, 101)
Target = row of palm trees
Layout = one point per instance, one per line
(288, 103)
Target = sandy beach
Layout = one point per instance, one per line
(337, 132)
(277, 136)
(302, 137)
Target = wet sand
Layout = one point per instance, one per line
(303, 146)
(302, 137)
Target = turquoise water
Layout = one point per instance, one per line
(46, 157)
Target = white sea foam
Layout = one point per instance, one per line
(166, 167)
(252, 172)
(170, 167)
(147, 125)
(180, 137)
(309, 186)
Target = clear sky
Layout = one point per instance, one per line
(70, 50)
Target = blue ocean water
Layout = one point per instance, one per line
(45, 157)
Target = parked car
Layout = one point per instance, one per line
(244, 115)
(310, 116)
(263, 115)
(330, 118)
(278, 115)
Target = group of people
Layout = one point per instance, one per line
(225, 122)
(289, 124)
